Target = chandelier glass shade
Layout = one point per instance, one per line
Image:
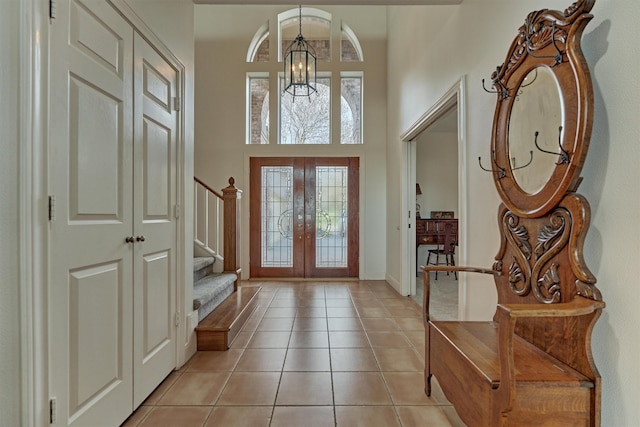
(300, 66)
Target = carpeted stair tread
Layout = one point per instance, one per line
(210, 291)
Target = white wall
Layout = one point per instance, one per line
(472, 39)
(9, 244)
(223, 34)
(437, 172)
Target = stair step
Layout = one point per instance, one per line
(202, 262)
(212, 290)
(202, 267)
(218, 330)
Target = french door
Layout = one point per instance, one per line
(304, 217)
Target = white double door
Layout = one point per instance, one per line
(113, 235)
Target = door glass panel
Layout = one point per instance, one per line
(331, 216)
(277, 216)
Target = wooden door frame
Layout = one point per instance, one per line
(304, 241)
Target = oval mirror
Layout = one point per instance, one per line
(537, 108)
(543, 84)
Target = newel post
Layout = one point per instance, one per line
(231, 197)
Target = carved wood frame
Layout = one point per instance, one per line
(543, 32)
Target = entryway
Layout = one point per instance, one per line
(304, 217)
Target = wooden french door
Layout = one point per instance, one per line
(304, 217)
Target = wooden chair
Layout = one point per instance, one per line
(446, 249)
(532, 364)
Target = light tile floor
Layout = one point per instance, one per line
(444, 295)
(312, 354)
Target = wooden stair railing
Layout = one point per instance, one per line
(220, 327)
(218, 232)
(208, 217)
(231, 197)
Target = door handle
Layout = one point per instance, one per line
(140, 238)
(129, 239)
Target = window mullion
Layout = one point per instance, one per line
(274, 108)
(335, 108)
(336, 35)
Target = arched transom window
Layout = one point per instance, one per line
(284, 119)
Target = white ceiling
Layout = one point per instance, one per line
(240, 22)
(335, 2)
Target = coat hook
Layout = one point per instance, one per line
(502, 90)
(523, 85)
(557, 58)
(500, 171)
(564, 154)
(524, 166)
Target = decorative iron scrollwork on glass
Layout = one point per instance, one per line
(323, 224)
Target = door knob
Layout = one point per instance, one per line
(140, 238)
(129, 239)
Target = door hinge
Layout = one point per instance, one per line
(52, 9)
(52, 208)
(177, 319)
(177, 103)
(176, 211)
(52, 410)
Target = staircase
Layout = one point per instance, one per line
(222, 306)
(209, 288)
(222, 310)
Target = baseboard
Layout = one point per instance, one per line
(191, 346)
(394, 283)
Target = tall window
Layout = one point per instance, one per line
(351, 108)
(258, 128)
(305, 120)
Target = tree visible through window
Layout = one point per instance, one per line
(307, 120)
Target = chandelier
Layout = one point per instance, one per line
(300, 66)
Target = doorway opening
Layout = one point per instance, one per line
(436, 159)
(304, 217)
(436, 163)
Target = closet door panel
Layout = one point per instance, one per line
(155, 151)
(156, 163)
(95, 154)
(90, 168)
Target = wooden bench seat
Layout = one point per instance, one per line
(218, 330)
(468, 367)
(494, 376)
(478, 343)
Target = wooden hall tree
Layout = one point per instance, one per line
(532, 365)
